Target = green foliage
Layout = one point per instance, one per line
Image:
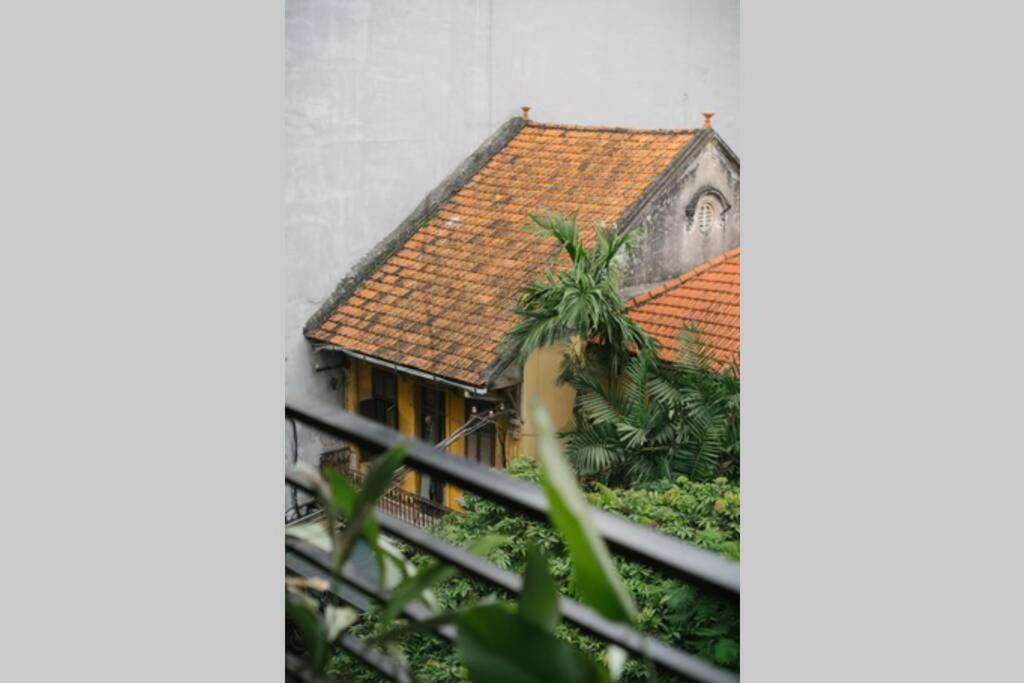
(427, 576)
(637, 419)
(708, 403)
(303, 613)
(497, 641)
(593, 571)
(656, 420)
(501, 646)
(538, 602)
(581, 303)
(317, 622)
(706, 514)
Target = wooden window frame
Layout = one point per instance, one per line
(382, 407)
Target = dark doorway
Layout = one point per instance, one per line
(382, 406)
(480, 444)
(432, 431)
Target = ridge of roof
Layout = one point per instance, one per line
(610, 129)
(669, 285)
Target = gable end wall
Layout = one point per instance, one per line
(668, 245)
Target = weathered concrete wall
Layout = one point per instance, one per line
(385, 97)
(669, 243)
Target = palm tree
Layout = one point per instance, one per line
(658, 420)
(707, 399)
(637, 418)
(620, 432)
(580, 304)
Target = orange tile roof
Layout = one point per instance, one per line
(445, 299)
(708, 296)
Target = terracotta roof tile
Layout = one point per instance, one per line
(443, 302)
(708, 296)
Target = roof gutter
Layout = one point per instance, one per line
(401, 368)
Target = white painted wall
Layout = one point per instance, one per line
(385, 97)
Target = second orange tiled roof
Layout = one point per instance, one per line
(445, 299)
(707, 296)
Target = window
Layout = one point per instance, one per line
(432, 431)
(706, 216)
(383, 404)
(431, 415)
(480, 444)
(706, 211)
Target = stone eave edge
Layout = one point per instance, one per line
(397, 238)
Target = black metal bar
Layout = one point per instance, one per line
(339, 589)
(321, 560)
(298, 671)
(316, 562)
(672, 659)
(375, 658)
(633, 541)
(302, 511)
(356, 598)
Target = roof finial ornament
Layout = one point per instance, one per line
(526, 113)
(707, 118)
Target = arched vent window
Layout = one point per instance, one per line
(707, 215)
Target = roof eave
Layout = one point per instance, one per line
(655, 291)
(398, 367)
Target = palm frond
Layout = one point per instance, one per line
(592, 450)
(596, 408)
(637, 418)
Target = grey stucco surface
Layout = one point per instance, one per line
(668, 243)
(385, 98)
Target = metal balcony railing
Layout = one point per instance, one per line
(664, 553)
(397, 502)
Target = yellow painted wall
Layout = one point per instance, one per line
(407, 423)
(455, 409)
(539, 384)
(351, 402)
(361, 388)
(365, 387)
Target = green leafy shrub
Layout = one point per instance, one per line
(657, 420)
(580, 303)
(703, 513)
(637, 418)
